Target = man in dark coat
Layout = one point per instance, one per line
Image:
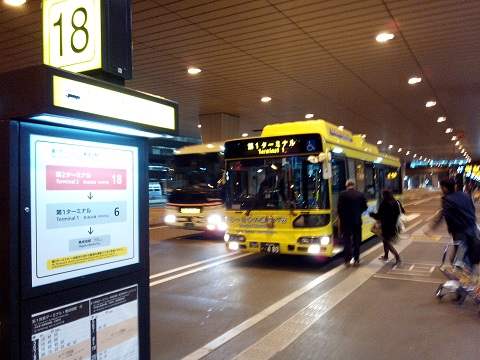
(351, 205)
(459, 213)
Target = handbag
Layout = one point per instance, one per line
(401, 219)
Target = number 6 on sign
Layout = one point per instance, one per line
(72, 34)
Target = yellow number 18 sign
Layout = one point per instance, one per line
(72, 34)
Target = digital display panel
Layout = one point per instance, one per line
(84, 208)
(274, 146)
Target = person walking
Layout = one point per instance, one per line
(458, 211)
(351, 205)
(387, 214)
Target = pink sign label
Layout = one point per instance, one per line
(83, 178)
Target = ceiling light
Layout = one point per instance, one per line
(408, 152)
(266, 99)
(457, 143)
(454, 138)
(414, 80)
(364, 136)
(244, 134)
(199, 126)
(400, 150)
(15, 2)
(341, 127)
(441, 119)
(390, 146)
(448, 130)
(430, 103)
(194, 70)
(414, 155)
(379, 142)
(309, 116)
(421, 157)
(383, 37)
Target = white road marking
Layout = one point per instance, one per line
(411, 217)
(154, 276)
(157, 227)
(411, 267)
(290, 330)
(247, 324)
(201, 268)
(390, 277)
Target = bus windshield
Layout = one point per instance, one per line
(291, 182)
(197, 171)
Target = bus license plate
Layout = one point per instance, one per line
(270, 248)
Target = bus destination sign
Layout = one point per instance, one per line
(274, 146)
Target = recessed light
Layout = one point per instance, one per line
(414, 155)
(408, 152)
(400, 150)
(379, 142)
(341, 127)
(457, 143)
(244, 134)
(390, 147)
(414, 80)
(266, 99)
(194, 70)
(430, 103)
(420, 158)
(15, 2)
(309, 116)
(441, 119)
(448, 130)
(199, 126)
(453, 138)
(383, 37)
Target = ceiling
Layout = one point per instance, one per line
(310, 56)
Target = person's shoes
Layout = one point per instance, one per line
(356, 263)
(398, 262)
(383, 258)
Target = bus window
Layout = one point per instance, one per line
(393, 180)
(339, 178)
(370, 189)
(351, 169)
(360, 175)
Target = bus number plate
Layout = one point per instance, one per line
(270, 248)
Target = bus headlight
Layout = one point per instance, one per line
(226, 237)
(169, 219)
(214, 219)
(324, 240)
(314, 249)
(233, 245)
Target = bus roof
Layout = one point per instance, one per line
(333, 135)
(201, 148)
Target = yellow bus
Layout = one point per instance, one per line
(282, 188)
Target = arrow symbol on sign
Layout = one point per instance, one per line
(90, 231)
(90, 196)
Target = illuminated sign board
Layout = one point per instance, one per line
(436, 163)
(101, 327)
(472, 171)
(72, 34)
(274, 146)
(80, 96)
(84, 208)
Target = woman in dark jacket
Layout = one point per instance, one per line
(388, 213)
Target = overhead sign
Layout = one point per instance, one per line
(103, 327)
(80, 96)
(274, 146)
(84, 208)
(72, 34)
